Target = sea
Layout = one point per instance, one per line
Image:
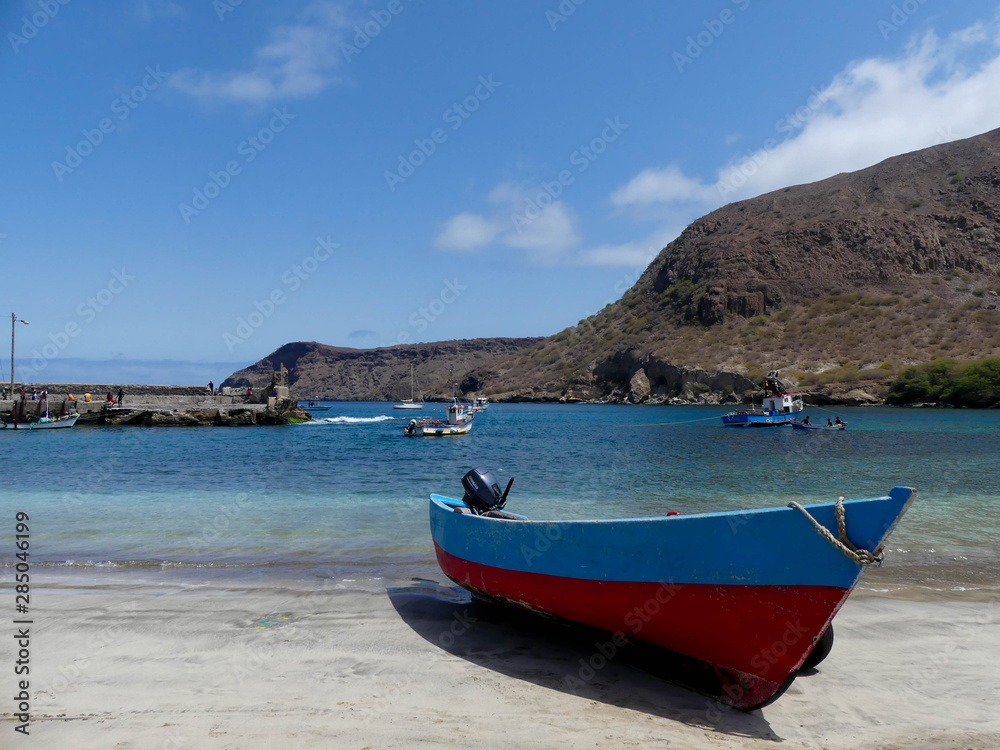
(343, 500)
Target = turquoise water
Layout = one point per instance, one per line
(346, 497)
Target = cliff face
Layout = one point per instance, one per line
(840, 283)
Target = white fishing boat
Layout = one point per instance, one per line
(42, 423)
(458, 422)
(480, 403)
(409, 403)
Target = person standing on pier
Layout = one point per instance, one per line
(121, 396)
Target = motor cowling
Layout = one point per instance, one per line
(482, 491)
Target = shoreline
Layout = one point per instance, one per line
(410, 665)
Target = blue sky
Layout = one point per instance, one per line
(187, 186)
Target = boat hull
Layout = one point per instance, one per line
(437, 430)
(746, 594)
(407, 406)
(757, 420)
(819, 427)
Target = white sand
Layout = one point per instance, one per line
(162, 667)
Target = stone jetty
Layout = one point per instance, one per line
(161, 405)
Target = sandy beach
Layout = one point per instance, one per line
(116, 664)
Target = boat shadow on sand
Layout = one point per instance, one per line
(572, 659)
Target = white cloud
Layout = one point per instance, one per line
(940, 90)
(299, 60)
(637, 254)
(520, 218)
(466, 232)
(546, 236)
(661, 186)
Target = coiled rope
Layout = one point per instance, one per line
(860, 556)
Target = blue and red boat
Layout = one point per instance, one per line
(745, 594)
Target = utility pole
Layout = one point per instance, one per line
(13, 319)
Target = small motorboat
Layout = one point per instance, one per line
(458, 422)
(313, 406)
(480, 403)
(42, 423)
(797, 425)
(747, 596)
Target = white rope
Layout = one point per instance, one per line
(860, 556)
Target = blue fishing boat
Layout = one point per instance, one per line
(749, 596)
(775, 411)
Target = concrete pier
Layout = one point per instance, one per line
(154, 405)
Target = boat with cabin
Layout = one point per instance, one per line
(778, 408)
(458, 421)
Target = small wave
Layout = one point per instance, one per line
(351, 420)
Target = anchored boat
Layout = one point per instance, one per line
(42, 423)
(777, 409)
(458, 422)
(775, 412)
(745, 595)
(409, 403)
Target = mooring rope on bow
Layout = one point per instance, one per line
(860, 556)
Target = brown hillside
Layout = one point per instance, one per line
(845, 279)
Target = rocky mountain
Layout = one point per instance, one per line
(841, 283)
(318, 371)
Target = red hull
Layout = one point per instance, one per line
(754, 637)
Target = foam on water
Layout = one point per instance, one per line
(350, 420)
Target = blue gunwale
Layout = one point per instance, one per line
(764, 546)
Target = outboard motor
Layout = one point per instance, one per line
(482, 491)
